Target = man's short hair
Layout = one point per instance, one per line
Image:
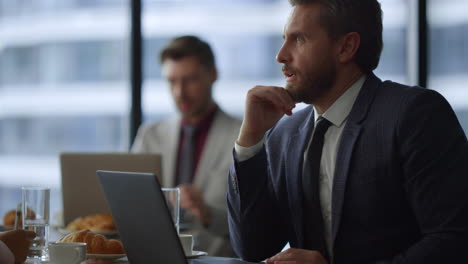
(186, 46)
(361, 16)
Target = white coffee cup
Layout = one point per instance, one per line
(67, 253)
(187, 243)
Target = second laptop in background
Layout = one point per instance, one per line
(81, 191)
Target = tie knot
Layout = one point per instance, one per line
(322, 125)
(189, 129)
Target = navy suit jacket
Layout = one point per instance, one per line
(400, 189)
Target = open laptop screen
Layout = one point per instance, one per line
(142, 218)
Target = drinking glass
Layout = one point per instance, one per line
(35, 214)
(172, 196)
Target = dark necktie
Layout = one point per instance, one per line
(187, 155)
(313, 221)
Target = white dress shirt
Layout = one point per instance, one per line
(337, 114)
(6, 256)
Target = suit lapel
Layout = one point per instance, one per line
(215, 134)
(349, 138)
(296, 148)
(343, 159)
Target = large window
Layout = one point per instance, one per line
(63, 87)
(245, 36)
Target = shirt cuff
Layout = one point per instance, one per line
(6, 256)
(245, 153)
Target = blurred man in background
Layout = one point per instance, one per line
(195, 143)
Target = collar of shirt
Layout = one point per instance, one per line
(340, 109)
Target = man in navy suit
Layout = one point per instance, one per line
(370, 172)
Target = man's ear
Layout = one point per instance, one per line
(348, 46)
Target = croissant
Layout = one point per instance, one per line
(97, 222)
(9, 218)
(95, 243)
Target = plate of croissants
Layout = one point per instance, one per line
(97, 246)
(102, 224)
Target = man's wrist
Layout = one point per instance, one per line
(249, 140)
(245, 153)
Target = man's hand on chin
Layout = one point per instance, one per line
(297, 256)
(264, 107)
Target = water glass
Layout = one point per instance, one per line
(172, 196)
(35, 214)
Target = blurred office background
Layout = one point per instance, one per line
(65, 69)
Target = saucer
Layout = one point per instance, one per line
(196, 254)
(105, 256)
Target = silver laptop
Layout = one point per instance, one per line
(81, 192)
(143, 220)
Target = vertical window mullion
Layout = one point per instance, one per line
(422, 43)
(136, 68)
(417, 43)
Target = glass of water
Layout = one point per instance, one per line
(172, 196)
(35, 214)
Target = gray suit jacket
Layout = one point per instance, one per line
(210, 177)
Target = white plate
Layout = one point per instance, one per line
(64, 231)
(105, 256)
(196, 254)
